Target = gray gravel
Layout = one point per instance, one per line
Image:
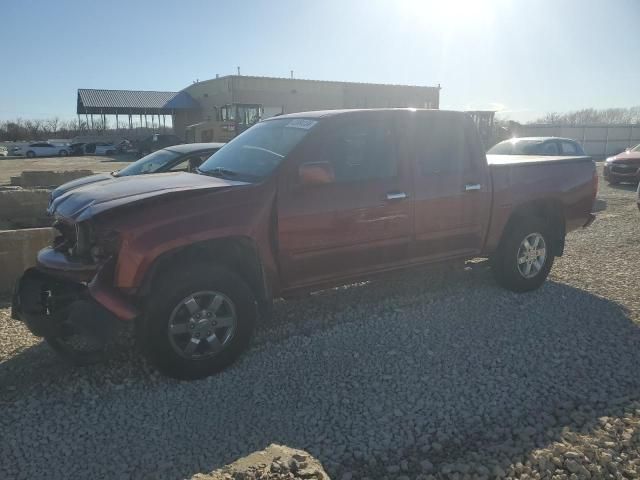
(423, 375)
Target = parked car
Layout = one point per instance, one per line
(105, 149)
(100, 148)
(296, 203)
(623, 167)
(3, 151)
(41, 149)
(156, 142)
(77, 148)
(552, 146)
(179, 158)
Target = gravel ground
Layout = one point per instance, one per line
(440, 375)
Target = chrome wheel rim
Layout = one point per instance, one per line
(202, 324)
(532, 255)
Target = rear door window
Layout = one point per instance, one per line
(549, 148)
(441, 145)
(568, 148)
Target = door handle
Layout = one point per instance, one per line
(470, 187)
(396, 196)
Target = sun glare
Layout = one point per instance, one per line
(452, 14)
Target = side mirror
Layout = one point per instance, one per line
(317, 173)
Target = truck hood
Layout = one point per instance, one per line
(91, 199)
(628, 158)
(73, 184)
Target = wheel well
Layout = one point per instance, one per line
(548, 210)
(238, 254)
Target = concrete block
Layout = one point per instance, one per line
(24, 208)
(18, 250)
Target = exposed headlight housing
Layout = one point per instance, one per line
(105, 246)
(83, 243)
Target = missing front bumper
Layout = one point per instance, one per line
(50, 306)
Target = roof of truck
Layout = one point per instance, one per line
(537, 139)
(330, 113)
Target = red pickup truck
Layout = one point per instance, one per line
(296, 203)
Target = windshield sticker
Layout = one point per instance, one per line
(301, 123)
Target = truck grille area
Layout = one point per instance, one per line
(66, 239)
(624, 169)
(73, 239)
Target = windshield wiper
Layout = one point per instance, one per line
(218, 172)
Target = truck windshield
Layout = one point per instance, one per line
(254, 154)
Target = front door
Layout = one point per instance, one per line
(360, 222)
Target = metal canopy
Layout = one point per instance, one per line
(132, 102)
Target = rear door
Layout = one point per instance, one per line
(452, 187)
(358, 223)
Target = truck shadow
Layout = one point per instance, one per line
(494, 374)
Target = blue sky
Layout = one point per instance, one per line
(523, 57)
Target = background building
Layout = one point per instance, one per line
(285, 95)
(202, 102)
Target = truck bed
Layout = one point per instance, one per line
(566, 181)
(534, 159)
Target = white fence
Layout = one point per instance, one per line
(597, 141)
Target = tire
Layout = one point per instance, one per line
(507, 269)
(170, 304)
(31, 154)
(63, 153)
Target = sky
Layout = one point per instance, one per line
(522, 58)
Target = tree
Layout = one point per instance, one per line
(592, 116)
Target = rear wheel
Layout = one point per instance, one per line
(63, 153)
(197, 321)
(525, 256)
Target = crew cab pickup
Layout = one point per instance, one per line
(297, 203)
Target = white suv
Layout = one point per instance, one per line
(42, 149)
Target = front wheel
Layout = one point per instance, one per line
(197, 321)
(525, 256)
(63, 153)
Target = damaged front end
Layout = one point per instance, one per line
(60, 299)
